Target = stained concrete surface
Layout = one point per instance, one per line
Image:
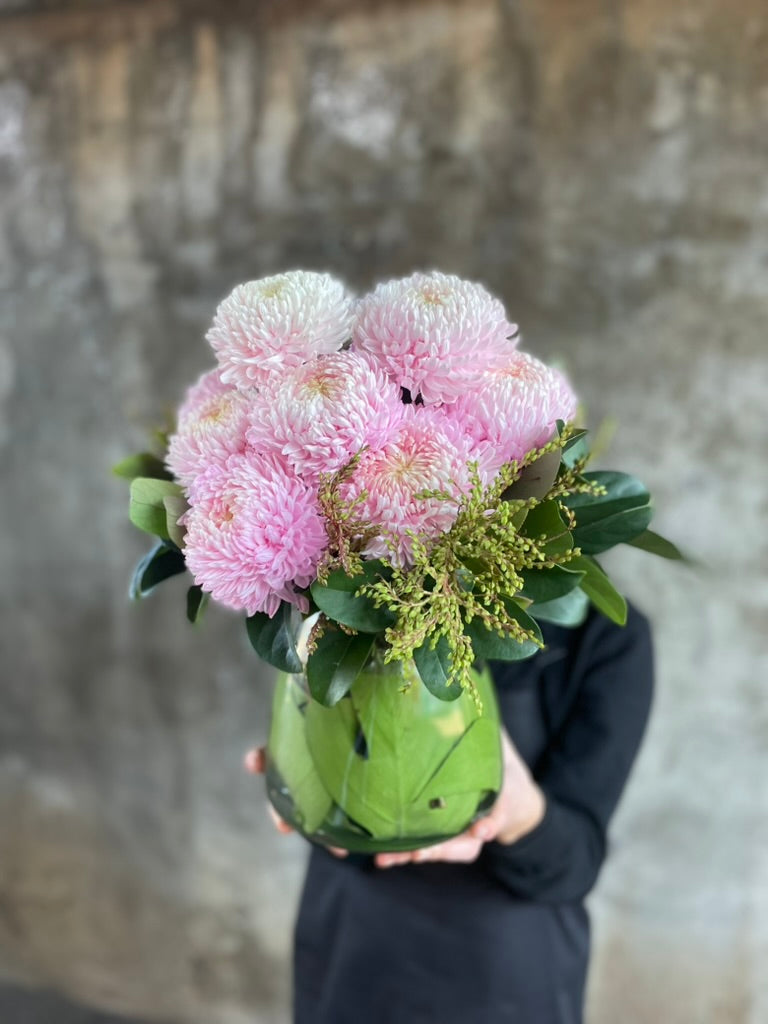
(602, 166)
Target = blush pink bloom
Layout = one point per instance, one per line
(212, 422)
(253, 534)
(435, 334)
(264, 327)
(317, 416)
(428, 453)
(514, 410)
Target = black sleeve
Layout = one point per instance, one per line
(585, 767)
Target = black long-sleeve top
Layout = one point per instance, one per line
(505, 938)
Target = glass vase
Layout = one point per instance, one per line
(389, 767)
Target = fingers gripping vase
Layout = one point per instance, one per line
(389, 767)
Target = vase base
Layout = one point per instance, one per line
(347, 836)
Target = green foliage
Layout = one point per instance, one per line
(569, 610)
(197, 602)
(142, 464)
(162, 562)
(615, 511)
(148, 510)
(291, 757)
(434, 665)
(392, 774)
(656, 545)
(339, 597)
(274, 639)
(600, 590)
(490, 645)
(336, 661)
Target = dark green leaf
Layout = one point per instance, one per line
(336, 662)
(545, 520)
(570, 610)
(547, 584)
(535, 480)
(339, 600)
(434, 665)
(601, 591)
(143, 464)
(602, 521)
(157, 565)
(196, 603)
(273, 639)
(606, 533)
(147, 509)
(622, 492)
(576, 448)
(657, 545)
(489, 646)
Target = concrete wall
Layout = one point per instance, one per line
(603, 166)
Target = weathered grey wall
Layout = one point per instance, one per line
(603, 166)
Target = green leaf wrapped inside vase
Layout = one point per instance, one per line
(401, 766)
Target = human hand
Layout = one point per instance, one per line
(255, 763)
(518, 809)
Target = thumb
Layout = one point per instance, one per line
(255, 761)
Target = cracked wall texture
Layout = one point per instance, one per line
(601, 165)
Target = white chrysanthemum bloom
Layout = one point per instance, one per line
(434, 333)
(514, 410)
(317, 416)
(267, 326)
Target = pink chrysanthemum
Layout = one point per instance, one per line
(212, 423)
(427, 454)
(514, 410)
(253, 534)
(435, 334)
(319, 414)
(263, 327)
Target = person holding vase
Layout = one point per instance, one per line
(490, 927)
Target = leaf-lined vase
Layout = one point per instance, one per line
(389, 767)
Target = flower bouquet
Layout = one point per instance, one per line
(394, 494)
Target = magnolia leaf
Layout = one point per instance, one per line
(338, 599)
(289, 754)
(410, 736)
(604, 534)
(472, 769)
(175, 507)
(569, 610)
(331, 733)
(434, 666)
(655, 544)
(197, 602)
(602, 521)
(600, 590)
(336, 662)
(489, 646)
(546, 521)
(550, 582)
(147, 509)
(576, 448)
(157, 565)
(142, 464)
(273, 638)
(535, 480)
